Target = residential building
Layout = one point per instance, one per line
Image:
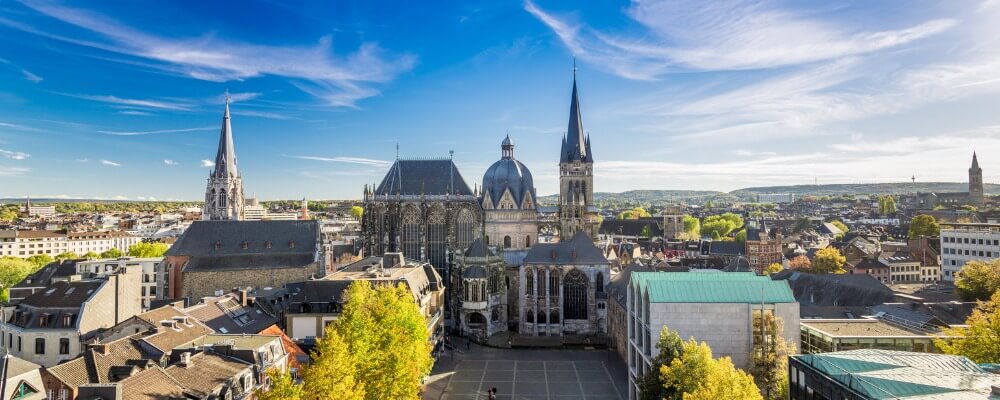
(224, 193)
(563, 289)
(42, 279)
(212, 257)
(24, 244)
(902, 266)
(148, 267)
(870, 374)
(81, 243)
(871, 266)
(21, 380)
(777, 198)
(577, 211)
(964, 242)
(714, 307)
(37, 211)
(48, 327)
(763, 247)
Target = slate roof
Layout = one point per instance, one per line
(630, 227)
(726, 248)
(833, 289)
(64, 294)
(413, 177)
(43, 277)
(207, 372)
(225, 314)
(316, 291)
(575, 146)
(888, 374)
(475, 272)
(618, 287)
(508, 173)
(285, 237)
(479, 249)
(711, 287)
(578, 250)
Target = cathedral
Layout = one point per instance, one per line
(487, 241)
(974, 197)
(224, 194)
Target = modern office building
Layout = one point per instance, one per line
(964, 242)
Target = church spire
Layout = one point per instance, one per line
(975, 161)
(575, 147)
(225, 159)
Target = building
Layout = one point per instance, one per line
(673, 222)
(563, 289)
(868, 374)
(24, 244)
(224, 193)
(21, 380)
(974, 196)
(483, 293)
(873, 267)
(763, 247)
(618, 308)
(961, 243)
(37, 211)
(42, 279)
(315, 303)
(903, 267)
(253, 211)
(713, 307)
(147, 266)
(577, 211)
(777, 198)
(831, 335)
(48, 327)
(508, 202)
(213, 257)
(81, 243)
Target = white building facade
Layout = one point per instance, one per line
(961, 243)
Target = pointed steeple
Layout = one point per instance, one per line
(975, 161)
(225, 159)
(575, 139)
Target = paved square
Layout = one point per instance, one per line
(529, 374)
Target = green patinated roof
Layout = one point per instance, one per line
(712, 287)
(887, 374)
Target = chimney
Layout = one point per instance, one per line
(185, 359)
(243, 297)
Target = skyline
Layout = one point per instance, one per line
(766, 95)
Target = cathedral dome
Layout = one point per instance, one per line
(508, 173)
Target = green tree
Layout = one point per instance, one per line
(774, 268)
(66, 256)
(651, 385)
(282, 387)
(723, 224)
(741, 236)
(147, 249)
(769, 364)
(692, 227)
(646, 232)
(978, 280)
(634, 213)
(90, 255)
(357, 212)
(980, 338)
(387, 335)
(333, 371)
(696, 375)
(924, 225)
(840, 225)
(40, 260)
(113, 253)
(828, 261)
(8, 215)
(12, 271)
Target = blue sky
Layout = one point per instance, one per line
(126, 101)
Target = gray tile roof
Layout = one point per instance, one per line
(578, 250)
(224, 238)
(411, 177)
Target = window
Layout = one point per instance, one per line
(529, 282)
(411, 232)
(436, 238)
(530, 317)
(554, 283)
(506, 242)
(39, 346)
(575, 297)
(64, 346)
(527, 241)
(599, 282)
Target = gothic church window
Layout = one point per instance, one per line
(465, 222)
(411, 232)
(529, 282)
(575, 296)
(599, 282)
(436, 237)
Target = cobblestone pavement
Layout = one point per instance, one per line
(544, 374)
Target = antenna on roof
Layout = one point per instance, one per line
(397, 151)
(574, 67)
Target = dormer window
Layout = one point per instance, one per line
(291, 244)
(244, 245)
(267, 244)
(218, 245)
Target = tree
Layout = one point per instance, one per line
(12, 271)
(692, 227)
(774, 269)
(651, 385)
(332, 373)
(90, 255)
(66, 256)
(723, 224)
(113, 253)
(828, 261)
(801, 224)
(634, 213)
(800, 262)
(8, 215)
(357, 212)
(978, 280)
(696, 375)
(980, 338)
(282, 387)
(646, 232)
(40, 260)
(769, 365)
(147, 249)
(741, 236)
(840, 225)
(923, 225)
(386, 335)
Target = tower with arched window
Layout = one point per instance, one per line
(224, 192)
(482, 296)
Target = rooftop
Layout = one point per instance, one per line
(841, 328)
(706, 287)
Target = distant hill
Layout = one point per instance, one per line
(865, 188)
(646, 197)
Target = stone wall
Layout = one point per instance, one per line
(199, 284)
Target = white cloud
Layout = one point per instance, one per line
(136, 112)
(138, 133)
(12, 171)
(110, 163)
(348, 160)
(207, 163)
(261, 114)
(338, 79)
(170, 162)
(30, 76)
(14, 155)
(235, 97)
(145, 103)
(83, 160)
(19, 127)
(721, 35)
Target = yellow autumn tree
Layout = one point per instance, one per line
(696, 375)
(980, 338)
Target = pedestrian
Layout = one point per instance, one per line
(490, 395)
(467, 345)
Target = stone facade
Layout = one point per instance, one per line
(224, 193)
(508, 202)
(577, 212)
(483, 294)
(199, 284)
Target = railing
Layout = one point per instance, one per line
(907, 324)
